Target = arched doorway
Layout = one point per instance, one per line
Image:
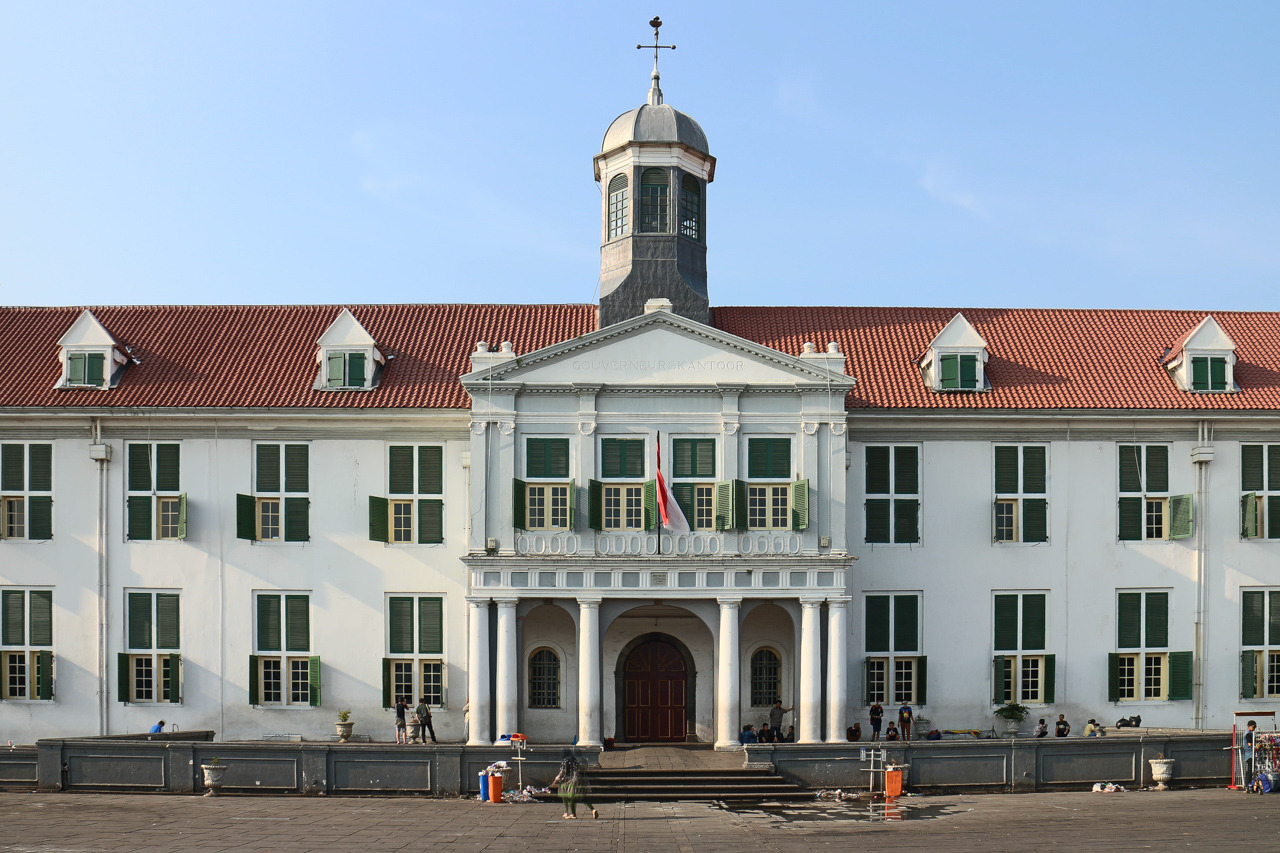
(655, 679)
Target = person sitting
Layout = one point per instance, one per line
(933, 735)
(1092, 729)
(891, 733)
(748, 734)
(765, 735)
(1042, 728)
(790, 736)
(853, 733)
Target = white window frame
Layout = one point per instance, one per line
(285, 660)
(769, 498)
(1261, 496)
(346, 352)
(159, 497)
(704, 491)
(158, 658)
(551, 494)
(1018, 661)
(400, 501)
(21, 498)
(890, 661)
(261, 499)
(893, 495)
(1266, 654)
(1016, 499)
(1143, 658)
(1154, 504)
(108, 367)
(422, 666)
(25, 655)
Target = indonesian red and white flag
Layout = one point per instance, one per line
(672, 516)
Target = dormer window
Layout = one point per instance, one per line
(347, 370)
(958, 372)
(955, 359)
(1203, 361)
(1209, 373)
(85, 369)
(349, 357)
(91, 357)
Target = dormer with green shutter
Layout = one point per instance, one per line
(90, 356)
(348, 356)
(1203, 361)
(956, 359)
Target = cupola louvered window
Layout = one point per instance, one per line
(690, 208)
(655, 189)
(618, 206)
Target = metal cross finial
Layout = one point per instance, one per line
(655, 91)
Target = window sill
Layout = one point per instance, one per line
(298, 707)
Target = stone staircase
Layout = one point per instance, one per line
(739, 786)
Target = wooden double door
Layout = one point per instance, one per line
(655, 678)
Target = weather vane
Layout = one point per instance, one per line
(655, 91)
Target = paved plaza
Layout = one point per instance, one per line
(1194, 820)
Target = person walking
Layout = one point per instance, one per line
(877, 719)
(573, 787)
(402, 729)
(423, 712)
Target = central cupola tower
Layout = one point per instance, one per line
(653, 169)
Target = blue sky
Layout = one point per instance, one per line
(1044, 154)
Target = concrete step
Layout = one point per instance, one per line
(702, 785)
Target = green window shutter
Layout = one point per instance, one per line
(1273, 617)
(906, 470)
(1200, 373)
(269, 623)
(906, 623)
(75, 369)
(430, 626)
(1113, 677)
(168, 633)
(11, 464)
(1130, 519)
(535, 461)
(1050, 678)
(337, 370)
(611, 457)
(725, 514)
(877, 623)
(866, 681)
(182, 516)
(139, 517)
(633, 457)
(123, 678)
(44, 675)
(997, 680)
(968, 371)
(877, 470)
(268, 468)
(1033, 621)
(757, 458)
(1252, 604)
(682, 457)
(950, 371)
(94, 369)
(139, 467)
(42, 617)
(1249, 516)
(877, 526)
(519, 510)
(1157, 468)
(379, 519)
(431, 470)
(1006, 470)
(1251, 468)
(400, 611)
(1217, 374)
(740, 505)
(595, 505)
(800, 505)
(297, 520)
(400, 470)
(1157, 621)
(246, 523)
(296, 474)
(313, 677)
(168, 465)
(1035, 520)
(1273, 467)
(1273, 517)
(386, 683)
(430, 521)
(297, 623)
(1035, 468)
(1006, 622)
(1130, 467)
(704, 457)
(922, 680)
(906, 521)
(174, 693)
(573, 504)
(1248, 674)
(253, 679)
(355, 367)
(140, 620)
(1182, 524)
(768, 458)
(685, 499)
(651, 518)
(13, 632)
(39, 517)
(40, 470)
(1180, 675)
(1129, 620)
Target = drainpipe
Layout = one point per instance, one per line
(1201, 455)
(100, 452)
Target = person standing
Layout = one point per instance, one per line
(423, 713)
(905, 717)
(402, 730)
(775, 715)
(877, 719)
(1061, 728)
(573, 787)
(1246, 754)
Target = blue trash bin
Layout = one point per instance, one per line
(484, 787)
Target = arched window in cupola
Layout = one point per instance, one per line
(655, 203)
(618, 186)
(690, 208)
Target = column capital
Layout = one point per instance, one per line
(729, 602)
(590, 602)
(812, 601)
(506, 602)
(478, 602)
(839, 600)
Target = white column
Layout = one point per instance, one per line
(728, 679)
(589, 711)
(809, 702)
(478, 673)
(837, 668)
(506, 710)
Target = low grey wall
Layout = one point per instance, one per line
(18, 768)
(1018, 765)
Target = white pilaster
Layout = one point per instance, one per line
(478, 673)
(589, 710)
(508, 677)
(728, 686)
(837, 668)
(809, 702)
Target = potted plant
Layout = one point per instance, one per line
(344, 725)
(1011, 714)
(213, 773)
(1161, 771)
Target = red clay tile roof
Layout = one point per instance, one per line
(1039, 358)
(256, 356)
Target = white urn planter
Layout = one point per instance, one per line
(1161, 772)
(213, 774)
(1009, 728)
(344, 731)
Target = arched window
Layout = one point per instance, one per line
(544, 679)
(617, 206)
(691, 208)
(766, 678)
(654, 202)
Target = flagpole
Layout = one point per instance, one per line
(655, 482)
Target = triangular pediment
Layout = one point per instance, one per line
(1208, 335)
(86, 331)
(345, 331)
(662, 349)
(958, 333)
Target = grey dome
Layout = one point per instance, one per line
(654, 123)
